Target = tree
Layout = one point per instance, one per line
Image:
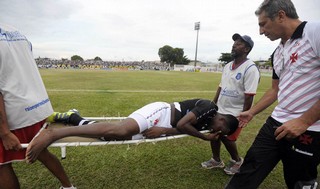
(97, 58)
(172, 55)
(76, 57)
(225, 58)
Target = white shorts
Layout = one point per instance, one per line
(153, 114)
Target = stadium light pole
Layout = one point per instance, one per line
(196, 27)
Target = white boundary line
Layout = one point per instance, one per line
(126, 91)
(129, 91)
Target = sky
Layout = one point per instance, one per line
(134, 30)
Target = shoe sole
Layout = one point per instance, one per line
(229, 172)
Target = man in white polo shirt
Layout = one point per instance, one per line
(24, 107)
(238, 86)
(292, 132)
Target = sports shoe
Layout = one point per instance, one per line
(233, 167)
(210, 164)
(64, 117)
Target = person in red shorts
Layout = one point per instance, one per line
(24, 107)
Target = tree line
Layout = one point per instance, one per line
(172, 56)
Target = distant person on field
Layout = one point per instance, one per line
(238, 86)
(24, 107)
(292, 133)
(152, 120)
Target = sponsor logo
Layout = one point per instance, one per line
(230, 93)
(35, 106)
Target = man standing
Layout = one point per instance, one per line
(239, 83)
(24, 107)
(292, 132)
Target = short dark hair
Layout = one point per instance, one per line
(272, 7)
(232, 123)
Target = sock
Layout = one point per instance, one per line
(77, 120)
(71, 187)
(85, 122)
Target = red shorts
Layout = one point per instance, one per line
(25, 135)
(235, 135)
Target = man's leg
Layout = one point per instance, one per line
(236, 161)
(259, 161)
(215, 148)
(122, 129)
(215, 161)
(8, 178)
(231, 147)
(55, 167)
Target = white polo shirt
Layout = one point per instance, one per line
(297, 66)
(235, 83)
(26, 100)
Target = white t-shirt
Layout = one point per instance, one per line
(235, 83)
(26, 100)
(297, 65)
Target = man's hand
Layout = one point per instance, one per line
(213, 135)
(11, 142)
(154, 132)
(291, 129)
(244, 118)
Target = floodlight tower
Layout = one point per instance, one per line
(196, 27)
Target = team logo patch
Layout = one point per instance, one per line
(305, 139)
(238, 76)
(294, 57)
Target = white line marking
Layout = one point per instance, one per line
(127, 91)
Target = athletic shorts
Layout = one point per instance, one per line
(25, 135)
(153, 114)
(234, 136)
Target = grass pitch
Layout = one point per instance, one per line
(166, 164)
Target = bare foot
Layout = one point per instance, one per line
(38, 144)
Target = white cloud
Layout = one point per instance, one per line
(135, 30)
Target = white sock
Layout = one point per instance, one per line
(71, 187)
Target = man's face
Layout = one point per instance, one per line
(239, 48)
(219, 124)
(269, 28)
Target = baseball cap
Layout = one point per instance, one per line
(245, 38)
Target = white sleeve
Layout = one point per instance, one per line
(313, 33)
(251, 79)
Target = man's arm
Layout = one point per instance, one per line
(216, 97)
(9, 140)
(155, 132)
(295, 127)
(185, 125)
(248, 100)
(268, 99)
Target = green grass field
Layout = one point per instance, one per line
(167, 164)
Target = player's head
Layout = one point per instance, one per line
(225, 123)
(244, 40)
